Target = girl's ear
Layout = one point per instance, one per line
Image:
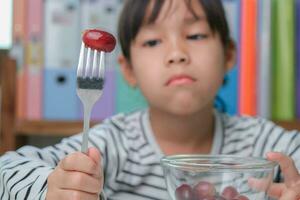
(127, 71)
(230, 55)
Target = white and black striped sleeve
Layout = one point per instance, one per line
(24, 173)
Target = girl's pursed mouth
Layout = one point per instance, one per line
(180, 80)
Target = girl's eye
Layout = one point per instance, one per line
(151, 43)
(197, 36)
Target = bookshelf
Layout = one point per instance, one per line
(7, 73)
(289, 125)
(46, 128)
(13, 131)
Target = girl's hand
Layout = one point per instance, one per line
(290, 189)
(77, 176)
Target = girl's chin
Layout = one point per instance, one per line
(192, 109)
(183, 107)
(185, 111)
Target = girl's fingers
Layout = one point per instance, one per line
(81, 162)
(76, 195)
(287, 165)
(274, 190)
(261, 184)
(79, 181)
(290, 195)
(94, 154)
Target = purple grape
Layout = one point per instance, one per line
(229, 193)
(240, 197)
(211, 198)
(220, 198)
(204, 190)
(206, 198)
(184, 192)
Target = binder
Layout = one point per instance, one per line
(100, 14)
(247, 70)
(227, 97)
(297, 58)
(283, 92)
(34, 19)
(62, 33)
(60, 100)
(17, 52)
(62, 45)
(34, 63)
(264, 71)
(21, 95)
(105, 106)
(34, 59)
(19, 19)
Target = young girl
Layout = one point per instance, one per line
(177, 52)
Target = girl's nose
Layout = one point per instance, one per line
(177, 55)
(179, 59)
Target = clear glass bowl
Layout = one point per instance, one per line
(217, 177)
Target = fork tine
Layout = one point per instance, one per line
(94, 73)
(80, 62)
(88, 63)
(102, 65)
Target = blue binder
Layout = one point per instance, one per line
(227, 97)
(60, 100)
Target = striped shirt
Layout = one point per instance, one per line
(131, 156)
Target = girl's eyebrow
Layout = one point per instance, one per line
(187, 20)
(149, 26)
(192, 19)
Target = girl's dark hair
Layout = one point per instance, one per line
(133, 14)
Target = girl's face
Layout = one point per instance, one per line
(178, 62)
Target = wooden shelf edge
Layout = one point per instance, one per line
(49, 128)
(68, 128)
(289, 125)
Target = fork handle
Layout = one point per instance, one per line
(86, 125)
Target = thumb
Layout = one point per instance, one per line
(94, 154)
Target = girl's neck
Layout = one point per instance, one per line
(183, 134)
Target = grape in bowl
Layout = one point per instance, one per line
(217, 177)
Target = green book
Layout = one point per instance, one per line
(283, 60)
(128, 99)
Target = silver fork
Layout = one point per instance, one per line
(90, 80)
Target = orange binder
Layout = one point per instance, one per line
(247, 80)
(19, 19)
(19, 29)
